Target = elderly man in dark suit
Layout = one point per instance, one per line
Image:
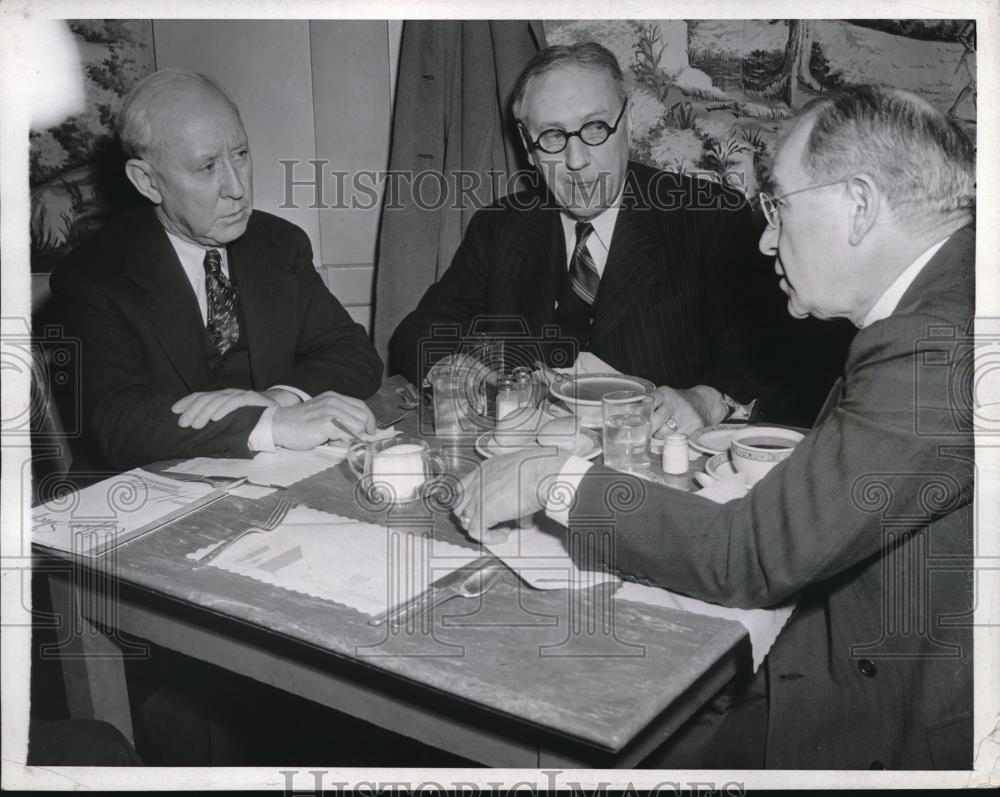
(638, 266)
(869, 522)
(204, 327)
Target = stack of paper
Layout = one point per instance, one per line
(99, 518)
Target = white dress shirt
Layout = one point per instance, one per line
(192, 258)
(599, 242)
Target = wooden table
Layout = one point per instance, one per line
(518, 678)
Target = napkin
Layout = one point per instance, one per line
(588, 363)
(723, 490)
(535, 549)
(763, 625)
(282, 467)
(362, 565)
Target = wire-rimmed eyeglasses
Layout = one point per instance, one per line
(593, 134)
(770, 204)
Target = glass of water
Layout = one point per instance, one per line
(628, 426)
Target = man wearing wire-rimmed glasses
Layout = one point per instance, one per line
(638, 266)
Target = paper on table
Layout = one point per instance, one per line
(103, 516)
(282, 467)
(535, 549)
(763, 625)
(362, 565)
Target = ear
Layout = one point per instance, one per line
(141, 175)
(866, 201)
(522, 131)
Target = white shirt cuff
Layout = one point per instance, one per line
(261, 438)
(562, 495)
(293, 390)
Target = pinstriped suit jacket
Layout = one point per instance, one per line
(667, 309)
(869, 522)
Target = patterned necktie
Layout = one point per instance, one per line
(583, 274)
(223, 316)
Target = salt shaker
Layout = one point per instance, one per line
(525, 392)
(675, 453)
(508, 399)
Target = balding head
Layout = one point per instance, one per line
(155, 101)
(921, 159)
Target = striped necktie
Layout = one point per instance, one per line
(583, 274)
(223, 314)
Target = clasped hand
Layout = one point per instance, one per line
(689, 409)
(296, 424)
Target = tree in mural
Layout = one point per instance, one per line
(795, 70)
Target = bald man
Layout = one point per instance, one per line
(204, 327)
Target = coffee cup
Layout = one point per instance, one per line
(757, 449)
(396, 468)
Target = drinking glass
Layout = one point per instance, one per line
(453, 399)
(490, 352)
(628, 427)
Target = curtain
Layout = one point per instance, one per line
(452, 115)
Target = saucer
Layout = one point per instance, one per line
(721, 467)
(588, 445)
(713, 439)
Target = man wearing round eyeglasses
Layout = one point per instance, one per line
(638, 266)
(867, 527)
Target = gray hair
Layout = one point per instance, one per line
(920, 158)
(589, 55)
(135, 126)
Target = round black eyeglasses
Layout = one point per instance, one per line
(593, 134)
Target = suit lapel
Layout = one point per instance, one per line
(633, 268)
(538, 253)
(267, 304)
(169, 307)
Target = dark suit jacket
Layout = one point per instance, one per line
(869, 522)
(124, 294)
(669, 304)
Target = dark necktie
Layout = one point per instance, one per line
(223, 315)
(582, 271)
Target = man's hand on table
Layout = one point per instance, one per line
(689, 409)
(197, 409)
(505, 488)
(309, 424)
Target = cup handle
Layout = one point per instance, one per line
(353, 458)
(434, 461)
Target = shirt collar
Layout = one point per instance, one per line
(603, 223)
(192, 256)
(887, 302)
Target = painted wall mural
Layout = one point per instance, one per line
(75, 168)
(712, 96)
(709, 96)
